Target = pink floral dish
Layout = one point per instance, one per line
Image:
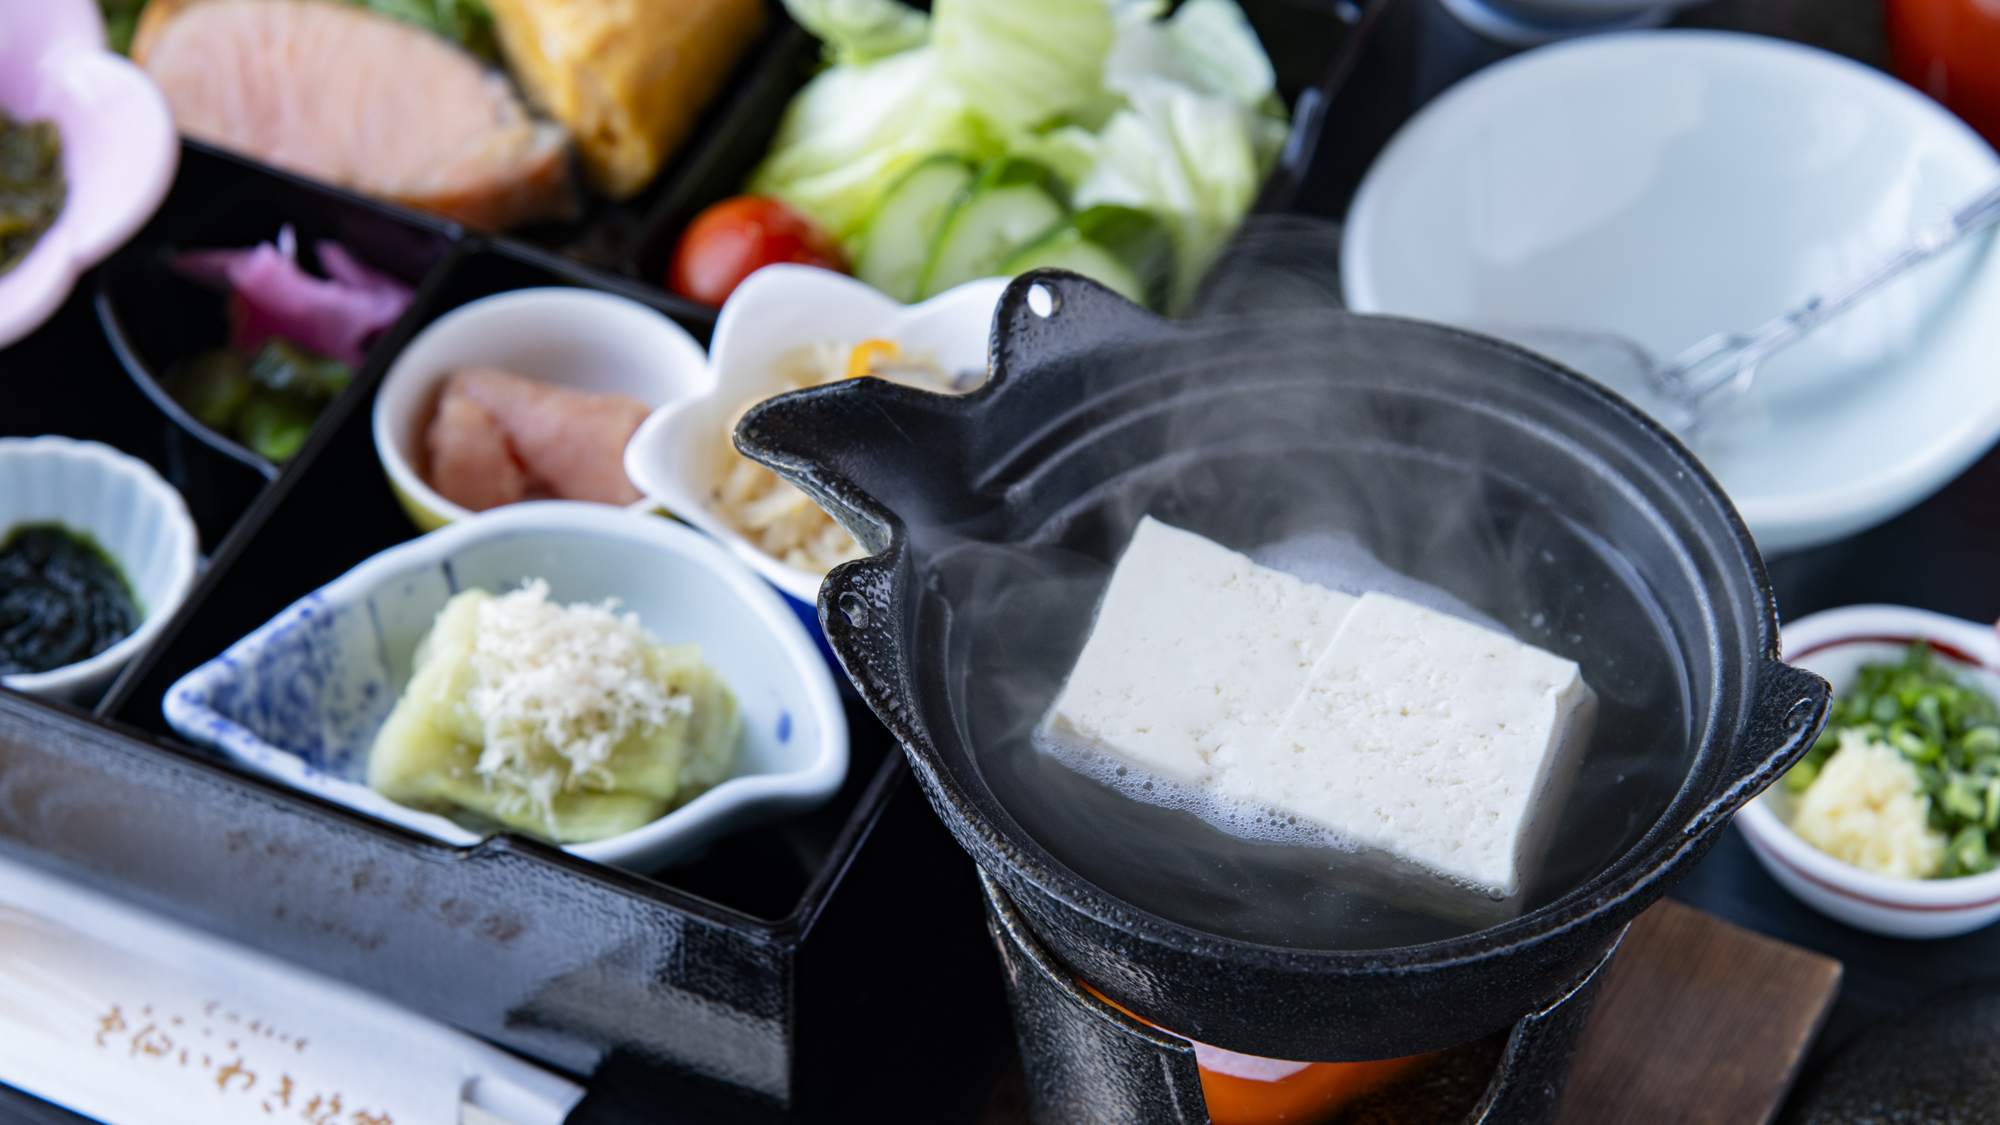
(119, 149)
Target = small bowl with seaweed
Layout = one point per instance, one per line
(96, 554)
(1891, 822)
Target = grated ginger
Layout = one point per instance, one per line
(1865, 808)
(570, 722)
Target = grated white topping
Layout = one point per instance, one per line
(1867, 808)
(564, 680)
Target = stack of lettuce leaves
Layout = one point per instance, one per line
(993, 136)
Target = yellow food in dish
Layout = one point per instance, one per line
(1866, 808)
(571, 723)
(626, 77)
(779, 519)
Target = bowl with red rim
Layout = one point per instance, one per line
(1835, 644)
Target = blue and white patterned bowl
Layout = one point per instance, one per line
(301, 698)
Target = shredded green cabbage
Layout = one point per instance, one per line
(855, 129)
(1177, 117)
(858, 31)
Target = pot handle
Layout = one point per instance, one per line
(1791, 707)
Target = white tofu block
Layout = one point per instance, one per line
(1195, 649)
(1427, 737)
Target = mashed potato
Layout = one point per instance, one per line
(1865, 808)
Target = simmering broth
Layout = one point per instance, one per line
(1436, 529)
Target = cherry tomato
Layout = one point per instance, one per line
(736, 236)
(1950, 49)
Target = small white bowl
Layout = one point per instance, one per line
(577, 338)
(1666, 185)
(673, 456)
(301, 698)
(1835, 644)
(119, 147)
(137, 518)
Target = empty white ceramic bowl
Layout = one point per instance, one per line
(119, 148)
(301, 698)
(1666, 185)
(1835, 644)
(674, 456)
(137, 518)
(577, 338)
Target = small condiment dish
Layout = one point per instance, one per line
(1663, 186)
(129, 512)
(300, 699)
(577, 338)
(119, 147)
(674, 457)
(1835, 643)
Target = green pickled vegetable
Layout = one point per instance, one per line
(121, 18)
(62, 600)
(31, 185)
(273, 425)
(292, 372)
(1947, 729)
(212, 386)
(467, 23)
(267, 403)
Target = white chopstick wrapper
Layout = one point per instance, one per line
(134, 1020)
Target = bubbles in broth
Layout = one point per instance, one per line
(1017, 618)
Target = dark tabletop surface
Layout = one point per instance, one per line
(1943, 555)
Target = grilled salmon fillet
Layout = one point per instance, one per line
(356, 99)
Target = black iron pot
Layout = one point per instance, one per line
(1528, 492)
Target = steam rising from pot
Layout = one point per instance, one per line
(1377, 479)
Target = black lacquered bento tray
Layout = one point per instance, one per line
(829, 967)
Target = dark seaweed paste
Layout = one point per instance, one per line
(31, 185)
(61, 600)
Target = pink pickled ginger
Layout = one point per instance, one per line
(338, 315)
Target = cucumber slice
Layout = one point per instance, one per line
(898, 239)
(1139, 241)
(1068, 249)
(1011, 206)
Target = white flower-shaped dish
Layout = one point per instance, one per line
(119, 148)
(301, 698)
(1665, 185)
(136, 517)
(1835, 644)
(673, 457)
(576, 338)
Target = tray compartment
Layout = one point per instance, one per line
(777, 964)
(513, 940)
(155, 319)
(65, 379)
